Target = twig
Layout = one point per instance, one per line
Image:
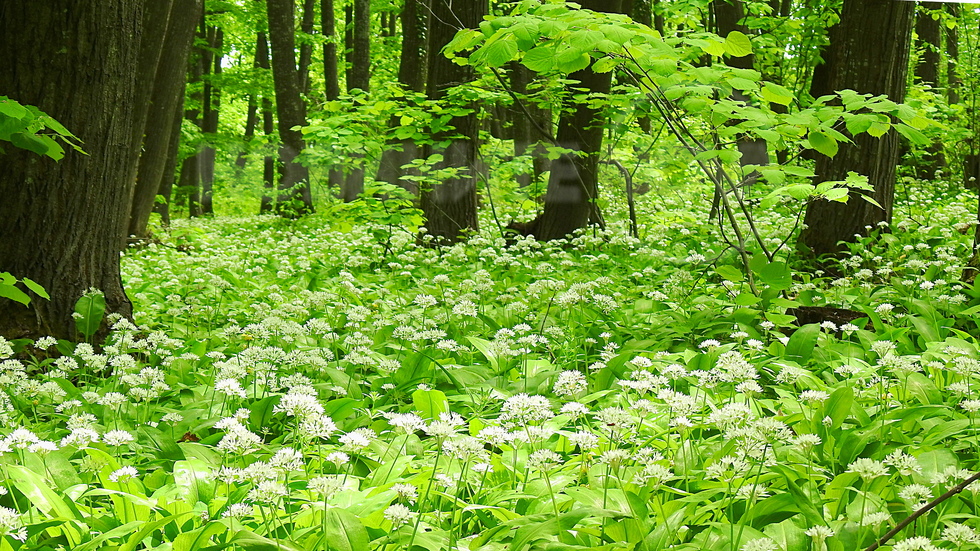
(923, 510)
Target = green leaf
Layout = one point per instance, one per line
(196, 540)
(775, 93)
(89, 311)
(500, 52)
(12, 109)
(823, 143)
(430, 403)
(730, 273)
(911, 134)
(194, 480)
(714, 48)
(605, 64)
(838, 406)
(38, 290)
(838, 194)
(13, 293)
(737, 44)
(344, 531)
(801, 344)
(540, 59)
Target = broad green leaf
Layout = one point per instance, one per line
(775, 93)
(12, 109)
(911, 134)
(38, 290)
(737, 44)
(39, 493)
(822, 142)
(89, 311)
(838, 194)
(730, 273)
(430, 403)
(200, 538)
(540, 59)
(802, 342)
(605, 64)
(344, 531)
(500, 52)
(714, 48)
(194, 480)
(838, 406)
(13, 293)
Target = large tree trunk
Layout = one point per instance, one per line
(870, 55)
(61, 222)
(166, 103)
(570, 203)
(295, 197)
(450, 206)
(412, 69)
(358, 78)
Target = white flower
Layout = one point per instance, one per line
(10, 523)
(398, 515)
(526, 409)
(117, 438)
(570, 383)
(123, 474)
(867, 468)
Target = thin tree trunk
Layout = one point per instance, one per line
(169, 175)
(61, 221)
(295, 197)
(306, 46)
(528, 139)
(953, 81)
(870, 55)
(209, 124)
(359, 78)
(928, 41)
(157, 162)
(331, 78)
(267, 204)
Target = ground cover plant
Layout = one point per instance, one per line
(295, 385)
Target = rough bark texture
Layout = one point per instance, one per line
(870, 55)
(573, 186)
(411, 75)
(61, 222)
(450, 206)
(294, 197)
(165, 104)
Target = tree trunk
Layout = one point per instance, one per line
(528, 136)
(953, 81)
(570, 203)
(306, 46)
(450, 206)
(61, 222)
(165, 105)
(359, 78)
(928, 41)
(295, 197)
(331, 78)
(209, 124)
(267, 205)
(870, 55)
(169, 174)
(411, 75)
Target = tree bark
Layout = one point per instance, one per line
(953, 81)
(170, 167)
(165, 105)
(528, 139)
(929, 42)
(412, 68)
(267, 204)
(450, 206)
(209, 122)
(61, 222)
(306, 46)
(359, 78)
(870, 55)
(295, 197)
(331, 78)
(570, 203)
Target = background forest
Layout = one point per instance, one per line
(486, 275)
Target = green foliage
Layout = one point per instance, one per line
(27, 127)
(89, 312)
(9, 289)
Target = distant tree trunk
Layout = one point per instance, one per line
(267, 203)
(658, 17)
(331, 78)
(450, 206)
(728, 18)
(165, 104)
(870, 55)
(359, 78)
(348, 41)
(306, 46)
(169, 175)
(528, 138)
(295, 197)
(61, 221)
(189, 186)
(953, 81)
(573, 187)
(209, 124)
(411, 75)
(928, 41)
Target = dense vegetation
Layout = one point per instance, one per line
(649, 275)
